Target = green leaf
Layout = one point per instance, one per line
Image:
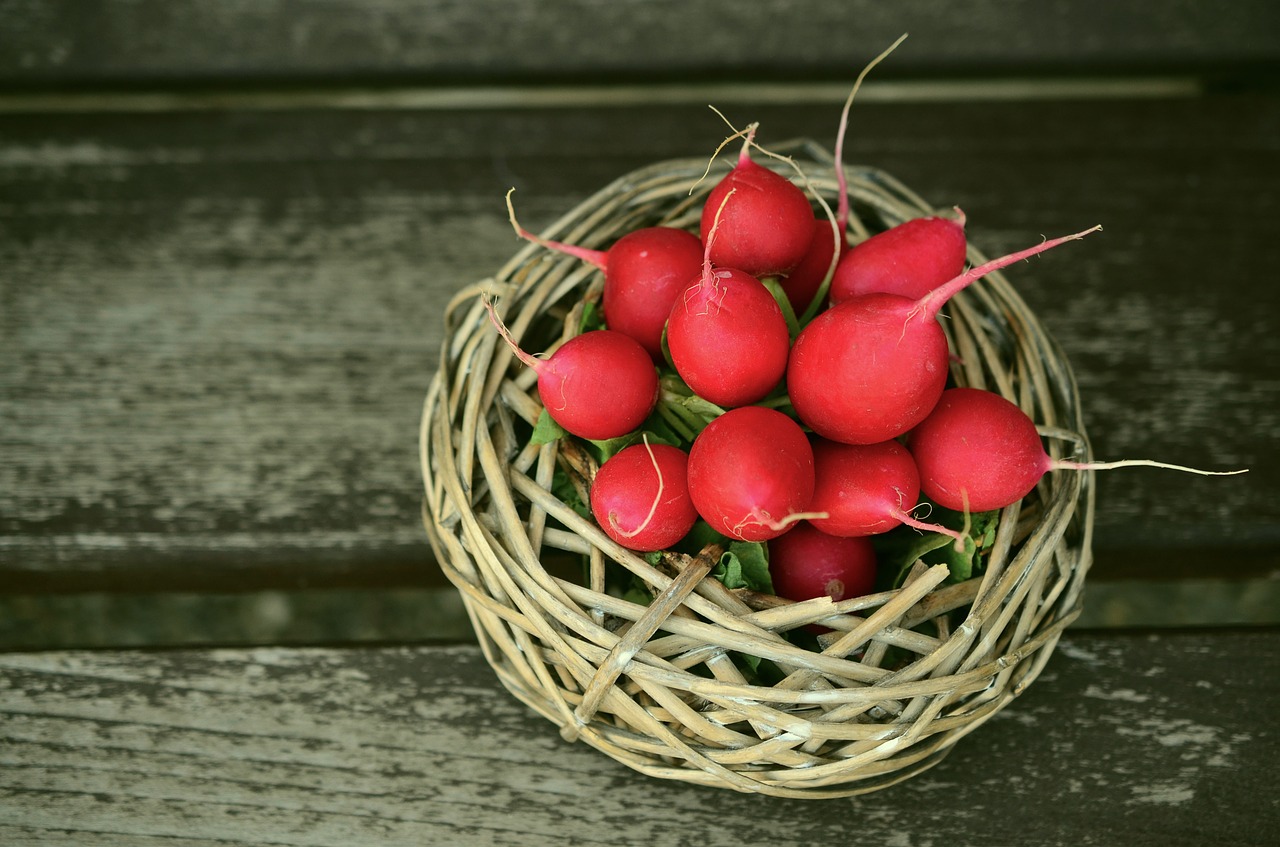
(661, 432)
(745, 565)
(547, 430)
(655, 429)
(784, 303)
(638, 595)
(592, 317)
(566, 492)
(900, 548)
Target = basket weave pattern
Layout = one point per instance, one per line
(654, 686)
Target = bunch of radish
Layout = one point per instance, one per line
(782, 387)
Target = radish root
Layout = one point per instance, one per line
(842, 204)
(528, 359)
(657, 498)
(593, 257)
(1130, 463)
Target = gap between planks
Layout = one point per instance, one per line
(585, 96)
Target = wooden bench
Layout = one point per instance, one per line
(225, 237)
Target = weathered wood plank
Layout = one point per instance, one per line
(1142, 739)
(65, 42)
(217, 327)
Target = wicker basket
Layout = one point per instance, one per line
(655, 686)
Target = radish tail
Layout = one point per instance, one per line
(757, 519)
(842, 203)
(745, 156)
(906, 518)
(531, 361)
(711, 235)
(737, 133)
(1129, 463)
(593, 257)
(931, 303)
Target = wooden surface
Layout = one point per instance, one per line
(218, 326)
(66, 42)
(1138, 739)
(226, 232)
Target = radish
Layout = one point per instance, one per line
(805, 562)
(727, 335)
(751, 473)
(978, 451)
(866, 489)
(728, 338)
(871, 368)
(766, 226)
(640, 497)
(598, 385)
(910, 259)
(644, 271)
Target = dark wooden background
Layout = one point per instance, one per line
(226, 231)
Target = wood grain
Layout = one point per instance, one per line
(147, 42)
(1141, 739)
(218, 327)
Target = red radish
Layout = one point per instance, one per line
(728, 338)
(640, 497)
(765, 228)
(598, 385)
(805, 562)
(644, 271)
(978, 450)
(872, 367)
(751, 473)
(866, 489)
(727, 335)
(910, 259)
(648, 269)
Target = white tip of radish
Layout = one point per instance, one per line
(765, 520)
(842, 187)
(1147, 463)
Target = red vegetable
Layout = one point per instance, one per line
(598, 385)
(640, 497)
(910, 259)
(765, 227)
(751, 473)
(644, 272)
(979, 451)
(866, 489)
(728, 338)
(727, 335)
(872, 367)
(805, 562)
